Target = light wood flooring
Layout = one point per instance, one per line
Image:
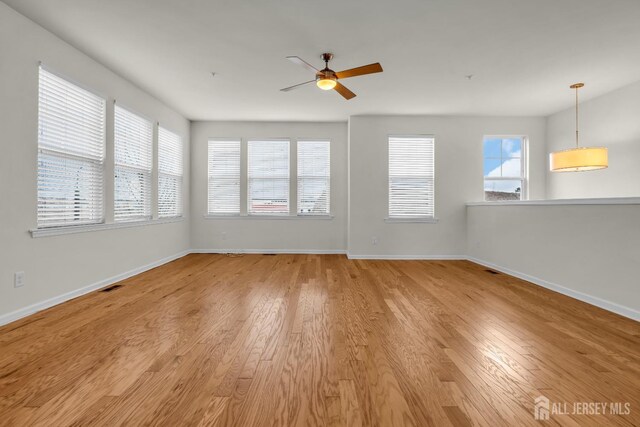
(321, 340)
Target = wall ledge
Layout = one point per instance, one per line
(73, 229)
(562, 202)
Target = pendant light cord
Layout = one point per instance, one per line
(577, 116)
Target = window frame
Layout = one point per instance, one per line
(106, 211)
(524, 166)
(136, 169)
(298, 177)
(209, 213)
(409, 218)
(101, 163)
(244, 181)
(180, 178)
(248, 178)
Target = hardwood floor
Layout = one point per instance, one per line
(317, 340)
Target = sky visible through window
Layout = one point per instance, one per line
(502, 158)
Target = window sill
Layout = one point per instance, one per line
(271, 217)
(411, 220)
(73, 229)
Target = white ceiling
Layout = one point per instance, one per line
(523, 54)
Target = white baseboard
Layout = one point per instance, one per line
(271, 251)
(408, 257)
(589, 299)
(328, 252)
(42, 305)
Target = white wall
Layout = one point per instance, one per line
(611, 120)
(549, 243)
(61, 264)
(255, 234)
(459, 179)
(591, 251)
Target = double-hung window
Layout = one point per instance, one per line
(314, 178)
(133, 140)
(268, 177)
(224, 177)
(170, 171)
(504, 163)
(71, 151)
(411, 177)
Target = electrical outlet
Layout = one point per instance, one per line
(374, 240)
(18, 279)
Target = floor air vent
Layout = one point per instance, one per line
(492, 271)
(111, 288)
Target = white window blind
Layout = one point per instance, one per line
(268, 177)
(133, 140)
(224, 178)
(411, 177)
(71, 147)
(170, 172)
(314, 173)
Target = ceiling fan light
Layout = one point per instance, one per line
(579, 159)
(326, 83)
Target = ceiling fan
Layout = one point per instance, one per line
(327, 79)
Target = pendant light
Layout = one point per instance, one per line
(579, 159)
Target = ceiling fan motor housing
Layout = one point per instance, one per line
(326, 74)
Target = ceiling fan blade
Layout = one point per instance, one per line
(305, 64)
(359, 71)
(287, 89)
(342, 90)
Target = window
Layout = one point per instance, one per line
(314, 172)
(169, 174)
(504, 168)
(411, 177)
(71, 148)
(268, 177)
(224, 178)
(133, 142)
